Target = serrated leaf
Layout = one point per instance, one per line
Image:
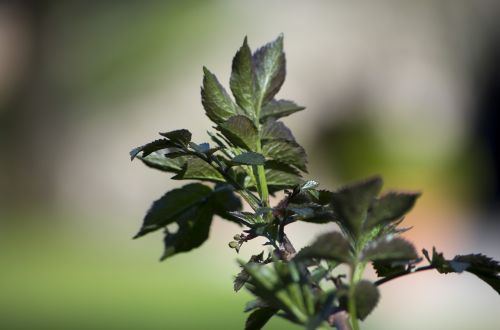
(163, 163)
(389, 248)
(197, 169)
(249, 158)
(273, 129)
(278, 108)
(287, 152)
(173, 205)
(281, 176)
(366, 296)
(194, 227)
(259, 318)
(217, 103)
(270, 69)
(242, 81)
(181, 136)
(151, 147)
(330, 246)
(351, 203)
(241, 131)
(480, 265)
(390, 207)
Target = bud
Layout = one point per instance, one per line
(233, 245)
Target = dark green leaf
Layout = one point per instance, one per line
(276, 130)
(181, 136)
(151, 147)
(259, 318)
(242, 80)
(225, 201)
(197, 169)
(163, 163)
(194, 227)
(249, 158)
(172, 205)
(248, 219)
(280, 176)
(389, 248)
(366, 296)
(387, 268)
(241, 131)
(330, 246)
(480, 265)
(270, 69)
(351, 204)
(279, 108)
(287, 152)
(254, 304)
(216, 101)
(390, 207)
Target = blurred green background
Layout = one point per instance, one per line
(408, 90)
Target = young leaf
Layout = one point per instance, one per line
(390, 207)
(197, 169)
(194, 227)
(216, 101)
(241, 131)
(242, 80)
(278, 108)
(172, 205)
(249, 158)
(351, 204)
(259, 318)
(181, 136)
(151, 147)
(389, 248)
(287, 152)
(366, 296)
(270, 69)
(330, 246)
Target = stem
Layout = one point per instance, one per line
(391, 277)
(356, 274)
(261, 174)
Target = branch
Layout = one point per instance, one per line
(407, 272)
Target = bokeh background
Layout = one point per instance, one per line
(408, 90)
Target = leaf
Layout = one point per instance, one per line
(216, 101)
(270, 69)
(480, 265)
(387, 268)
(330, 246)
(151, 147)
(278, 108)
(225, 201)
(287, 152)
(390, 207)
(248, 219)
(351, 203)
(279, 176)
(249, 158)
(366, 296)
(194, 227)
(181, 136)
(259, 318)
(241, 131)
(273, 129)
(310, 184)
(163, 163)
(243, 276)
(389, 248)
(197, 169)
(242, 81)
(173, 205)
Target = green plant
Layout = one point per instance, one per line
(255, 155)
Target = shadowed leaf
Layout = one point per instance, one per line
(279, 108)
(287, 152)
(249, 158)
(242, 80)
(217, 103)
(151, 147)
(197, 169)
(241, 131)
(259, 318)
(366, 296)
(330, 246)
(181, 136)
(390, 207)
(389, 248)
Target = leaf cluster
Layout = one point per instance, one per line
(251, 155)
